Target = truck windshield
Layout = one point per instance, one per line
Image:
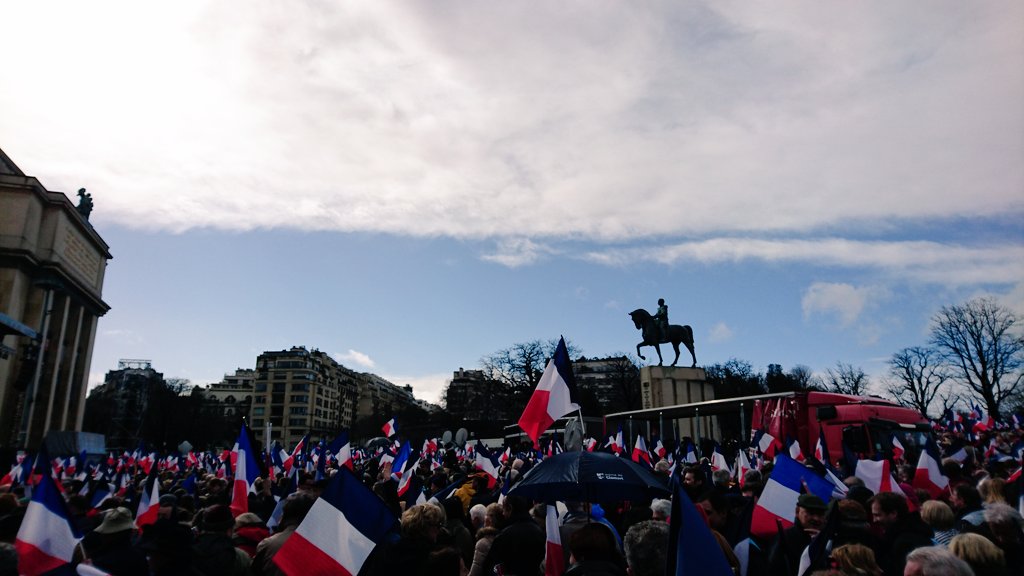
(882, 433)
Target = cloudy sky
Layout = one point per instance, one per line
(412, 186)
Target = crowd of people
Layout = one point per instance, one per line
(465, 522)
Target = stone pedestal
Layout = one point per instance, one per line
(667, 386)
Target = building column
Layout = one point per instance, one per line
(58, 363)
(62, 424)
(86, 363)
(30, 396)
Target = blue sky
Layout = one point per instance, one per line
(410, 187)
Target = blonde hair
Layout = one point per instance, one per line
(938, 515)
(978, 551)
(417, 521)
(991, 490)
(856, 559)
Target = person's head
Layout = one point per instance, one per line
(721, 477)
(935, 561)
(661, 301)
(515, 506)
(593, 542)
(444, 562)
(965, 497)
(646, 548)
(752, 476)
(422, 522)
(938, 515)
(853, 481)
(852, 511)
(494, 516)
(247, 520)
(661, 509)
(693, 477)
(810, 511)
(116, 521)
(991, 490)
(716, 508)
(477, 514)
(295, 508)
(979, 552)
(1003, 523)
(888, 508)
(662, 467)
(856, 559)
(217, 518)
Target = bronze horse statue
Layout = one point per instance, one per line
(644, 322)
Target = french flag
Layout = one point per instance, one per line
(341, 448)
(693, 550)
(149, 506)
(742, 465)
(718, 459)
(46, 540)
(293, 458)
(781, 491)
(928, 475)
(615, 442)
(640, 453)
(877, 476)
(659, 449)
(590, 444)
(340, 531)
(247, 471)
(897, 449)
(406, 481)
(794, 451)
(485, 462)
(554, 558)
(390, 428)
(554, 397)
(691, 452)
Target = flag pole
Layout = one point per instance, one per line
(583, 424)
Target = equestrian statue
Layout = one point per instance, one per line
(656, 331)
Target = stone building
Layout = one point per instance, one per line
(300, 391)
(233, 395)
(614, 381)
(472, 397)
(52, 266)
(380, 398)
(126, 393)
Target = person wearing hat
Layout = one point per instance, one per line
(250, 530)
(213, 551)
(109, 546)
(810, 517)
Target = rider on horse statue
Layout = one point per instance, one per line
(661, 320)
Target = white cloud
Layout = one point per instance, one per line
(844, 301)
(493, 120)
(356, 357)
(515, 252)
(425, 387)
(933, 262)
(720, 332)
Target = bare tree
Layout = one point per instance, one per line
(519, 367)
(845, 379)
(916, 375)
(802, 376)
(978, 340)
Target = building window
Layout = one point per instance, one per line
(261, 387)
(257, 422)
(259, 400)
(298, 410)
(258, 411)
(300, 398)
(296, 421)
(277, 399)
(278, 386)
(300, 387)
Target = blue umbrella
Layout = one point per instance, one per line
(589, 477)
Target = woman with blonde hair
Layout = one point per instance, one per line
(855, 560)
(940, 517)
(992, 491)
(982, 555)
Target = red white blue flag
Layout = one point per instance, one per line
(46, 540)
(247, 471)
(390, 428)
(340, 531)
(554, 397)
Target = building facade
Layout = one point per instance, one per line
(300, 391)
(614, 381)
(233, 395)
(472, 397)
(52, 266)
(379, 397)
(127, 393)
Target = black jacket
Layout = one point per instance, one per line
(519, 548)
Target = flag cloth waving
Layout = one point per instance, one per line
(554, 397)
(341, 529)
(247, 471)
(693, 550)
(46, 541)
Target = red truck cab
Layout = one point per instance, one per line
(864, 424)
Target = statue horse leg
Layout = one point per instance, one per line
(675, 346)
(689, 346)
(638, 351)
